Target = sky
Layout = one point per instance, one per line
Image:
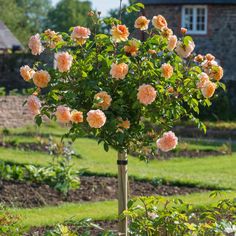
(102, 5)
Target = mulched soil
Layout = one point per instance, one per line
(25, 146)
(186, 153)
(93, 188)
(105, 225)
(193, 132)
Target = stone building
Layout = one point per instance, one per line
(212, 23)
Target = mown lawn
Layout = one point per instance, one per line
(215, 172)
(104, 210)
(208, 172)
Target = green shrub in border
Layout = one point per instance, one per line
(157, 216)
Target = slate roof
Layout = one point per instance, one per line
(7, 39)
(167, 2)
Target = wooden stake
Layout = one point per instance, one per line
(122, 191)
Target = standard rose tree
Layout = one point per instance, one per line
(110, 86)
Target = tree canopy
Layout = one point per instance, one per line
(68, 13)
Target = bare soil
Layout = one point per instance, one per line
(93, 188)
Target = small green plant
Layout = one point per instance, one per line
(9, 224)
(80, 227)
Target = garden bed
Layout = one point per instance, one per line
(93, 188)
(111, 225)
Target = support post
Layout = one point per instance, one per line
(122, 191)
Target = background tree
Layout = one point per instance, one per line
(35, 13)
(69, 13)
(13, 16)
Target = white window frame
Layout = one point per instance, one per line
(195, 7)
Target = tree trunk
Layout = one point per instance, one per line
(122, 190)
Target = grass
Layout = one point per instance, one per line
(57, 214)
(208, 172)
(105, 210)
(215, 172)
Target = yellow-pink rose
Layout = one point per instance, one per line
(119, 33)
(208, 89)
(119, 71)
(132, 48)
(203, 78)
(41, 78)
(141, 23)
(35, 44)
(77, 116)
(80, 34)
(63, 114)
(63, 61)
(26, 72)
(146, 94)
(159, 22)
(184, 50)
(172, 41)
(167, 70)
(96, 118)
(105, 100)
(34, 104)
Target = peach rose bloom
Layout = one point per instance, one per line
(76, 116)
(183, 30)
(63, 61)
(119, 33)
(132, 48)
(80, 34)
(119, 71)
(166, 32)
(167, 70)
(207, 65)
(208, 89)
(167, 142)
(209, 57)
(159, 22)
(34, 104)
(170, 90)
(53, 38)
(151, 51)
(184, 51)
(199, 58)
(125, 124)
(35, 44)
(41, 78)
(63, 114)
(172, 41)
(26, 72)
(106, 100)
(203, 78)
(146, 94)
(217, 72)
(141, 23)
(96, 118)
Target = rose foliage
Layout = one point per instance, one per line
(109, 85)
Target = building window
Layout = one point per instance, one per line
(194, 18)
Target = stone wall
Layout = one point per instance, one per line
(13, 113)
(220, 39)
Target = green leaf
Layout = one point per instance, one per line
(38, 120)
(187, 40)
(106, 147)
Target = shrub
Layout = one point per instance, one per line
(161, 217)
